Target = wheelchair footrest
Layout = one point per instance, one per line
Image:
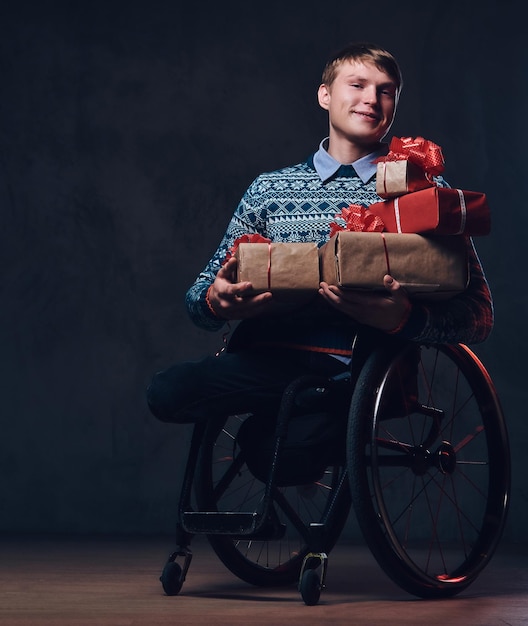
(238, 524)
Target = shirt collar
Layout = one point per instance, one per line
(326, 166)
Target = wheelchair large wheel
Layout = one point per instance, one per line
(224, 483)
(429, 466)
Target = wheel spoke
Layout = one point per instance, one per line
(225, 484)
(429, 488)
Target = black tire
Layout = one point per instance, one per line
(171, 578)
(224, 483)
(310, 587)
(430, 500)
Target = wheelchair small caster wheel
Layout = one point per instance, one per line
(171, 578)
(310, 587)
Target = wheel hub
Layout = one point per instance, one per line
(421, 460)
(443, 459)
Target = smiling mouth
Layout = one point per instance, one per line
(370, 116)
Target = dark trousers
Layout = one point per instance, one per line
(232, 383)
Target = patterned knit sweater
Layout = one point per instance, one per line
(294, 205)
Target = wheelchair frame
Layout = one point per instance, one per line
(427, 470)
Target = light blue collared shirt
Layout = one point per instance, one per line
(326, 166)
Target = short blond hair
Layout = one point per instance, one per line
(363, 52)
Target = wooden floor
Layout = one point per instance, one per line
(114, 582)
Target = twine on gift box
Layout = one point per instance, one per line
(463, 211)
(397, 215)
(386, 253)
(384, 177)
(269, 266)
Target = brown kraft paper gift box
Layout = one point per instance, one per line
(439, 210)
(410, 165)
(289, 270)
(395, 178)
(427, 267)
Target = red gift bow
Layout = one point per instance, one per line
(250, 238)
(357, 219)
(419, 151)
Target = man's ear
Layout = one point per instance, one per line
(323, 96)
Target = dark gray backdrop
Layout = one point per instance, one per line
(129, 131)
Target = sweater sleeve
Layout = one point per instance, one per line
(247, 219)
(467, 318)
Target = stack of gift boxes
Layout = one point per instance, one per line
(422, 238)
(417, 234)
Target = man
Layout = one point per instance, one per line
(271, 346)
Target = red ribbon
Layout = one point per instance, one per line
(357, 219)
(249, 238)
(269, 266)
(419, 151)
(386, 254)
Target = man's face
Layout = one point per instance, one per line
(361, 103)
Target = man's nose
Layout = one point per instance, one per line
(370, 94)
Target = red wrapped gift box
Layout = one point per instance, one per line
(436, 210)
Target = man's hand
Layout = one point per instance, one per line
(235, 301)
(383, 310)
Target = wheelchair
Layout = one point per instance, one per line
(423, 460)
